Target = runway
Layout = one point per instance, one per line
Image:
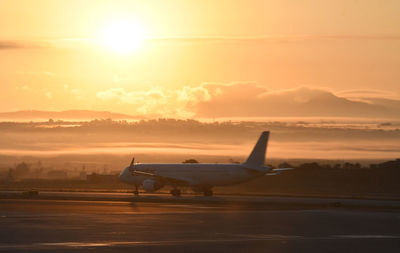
(241, 200)
(39, 225)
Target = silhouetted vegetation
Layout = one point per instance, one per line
(209, 142)
(308, 179)
(190, 161)
(347, 179)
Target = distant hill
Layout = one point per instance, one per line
(64, 115)
(232, 101)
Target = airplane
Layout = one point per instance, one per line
(199, 177)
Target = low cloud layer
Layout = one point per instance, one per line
(79, 42)
(240, 99)
(22, 44)
(274, 38)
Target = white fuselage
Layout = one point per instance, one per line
(201, 175)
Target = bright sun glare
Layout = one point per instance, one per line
(122, 36)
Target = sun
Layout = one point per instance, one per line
(122, 36)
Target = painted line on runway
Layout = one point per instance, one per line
(239, 238)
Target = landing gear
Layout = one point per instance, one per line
(208, 192)
(175, 192)
(136, 191)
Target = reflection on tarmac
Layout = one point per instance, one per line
(123, 226)
(235, 239)
(254, 201)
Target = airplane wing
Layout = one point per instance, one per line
(277, 171)
(282, 169)
(174, 180)
(272, 174)
(269, 170)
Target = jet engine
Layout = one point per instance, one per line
(150, 185)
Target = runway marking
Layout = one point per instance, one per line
(193, 206)
(268, 236)
(368, 236)
(239, 238)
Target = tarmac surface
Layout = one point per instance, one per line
(121, 223)
(243, 200)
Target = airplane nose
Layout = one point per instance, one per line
(122, 176)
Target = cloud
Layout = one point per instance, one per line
(11, 45)
(48, 94)
(262, 39)
(78, 93)
(65, 43)
(247, 99)
(134, 97)
(252, 100)
(182, 102)
(22, 44)
(311, 102)
(232, 99)
(49, 73)
(23, 88)
(188, 97)
(152, 101)
(235, 90)
(273, 38)
(368, 93)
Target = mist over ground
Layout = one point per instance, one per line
(108, 145)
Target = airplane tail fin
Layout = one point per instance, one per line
(257, 156)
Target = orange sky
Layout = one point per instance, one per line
(53, 55)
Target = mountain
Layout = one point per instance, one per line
(301, 102)
(64, 115)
